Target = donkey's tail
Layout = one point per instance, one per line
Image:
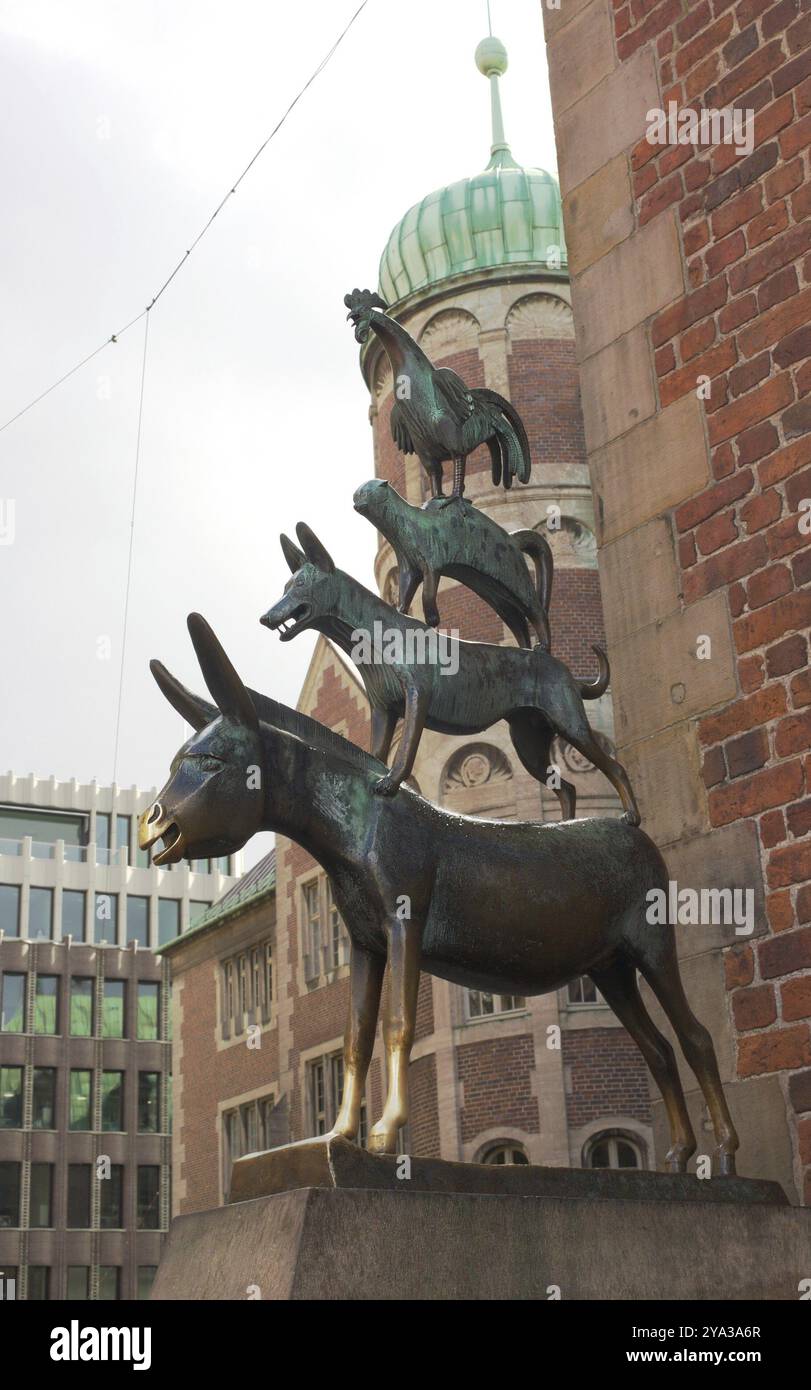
(592, 690)
(537, 547)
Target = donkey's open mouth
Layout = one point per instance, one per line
(151, 832)
(172, 845)
(288, 624)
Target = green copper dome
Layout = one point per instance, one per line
(507, 215)
(504, 216)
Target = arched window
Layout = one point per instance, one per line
(612, 1149)
(505, 1153)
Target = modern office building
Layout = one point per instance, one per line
(85, 1050)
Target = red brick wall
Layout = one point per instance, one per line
(209, 1076)
(545, 390)
(576, 619)
(423, 1123)
(744, 324)
(608, 1076)
(495, 1076)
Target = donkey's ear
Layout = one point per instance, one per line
(295, 558)
(195, 711)
(313, 549)
(222, 680)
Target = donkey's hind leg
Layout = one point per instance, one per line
(696, 1043)
(618, 986)
(532, 740)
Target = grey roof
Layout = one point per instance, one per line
(259, 882)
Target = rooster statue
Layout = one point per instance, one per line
(435, 415)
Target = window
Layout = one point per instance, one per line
(257, 981)
(481, 1004)
(9, 909)
(311, 913)
(583, 991)
(112, 1101)
(148, 1002)
(79, 1099)
(12, 1006)
(40, 914)
(38, 1283)
(78, 1283)
(102, 838)
(268, 954)
(46, 998)
(196, 911)
(247, 1130)
(11, 1097)
(228, 999)
(44, 1098)
(106, 925)
(113, 1008)
(79, 1196)
(8, 1282)
(122, 834)
(40, 1209)
(168, 920)
(111, 1217)
(336, 950)
(110, 1275)
(148, 1197)
(612, 1150)
(9, 1194)
(73, 913)
(44, 827)
(505, 1153)
(81, 1007)
(138, 921)
(146, 1278)
(325, 1089)
(242, 984)
(149, 1095)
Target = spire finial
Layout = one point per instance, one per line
(491, 60)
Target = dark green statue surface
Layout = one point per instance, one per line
(506, 907)
(435, 415)
(463, 543)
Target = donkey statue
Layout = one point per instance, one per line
(508, 907)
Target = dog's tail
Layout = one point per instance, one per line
(592, 690)
(538, 549)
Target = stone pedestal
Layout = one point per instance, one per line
(324, 1220)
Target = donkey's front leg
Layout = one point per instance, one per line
(365, 981)
(398, 1030)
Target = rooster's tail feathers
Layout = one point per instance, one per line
(511, 437)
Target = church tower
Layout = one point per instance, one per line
(477, 273)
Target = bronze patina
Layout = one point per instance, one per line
(464, 689)
(463, 543)
(507, 907)
(435, 415)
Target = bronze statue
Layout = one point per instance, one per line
(477, 685)
(435, 415)
(465, 544)
(508, 907)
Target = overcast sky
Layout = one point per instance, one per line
(124, 122)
